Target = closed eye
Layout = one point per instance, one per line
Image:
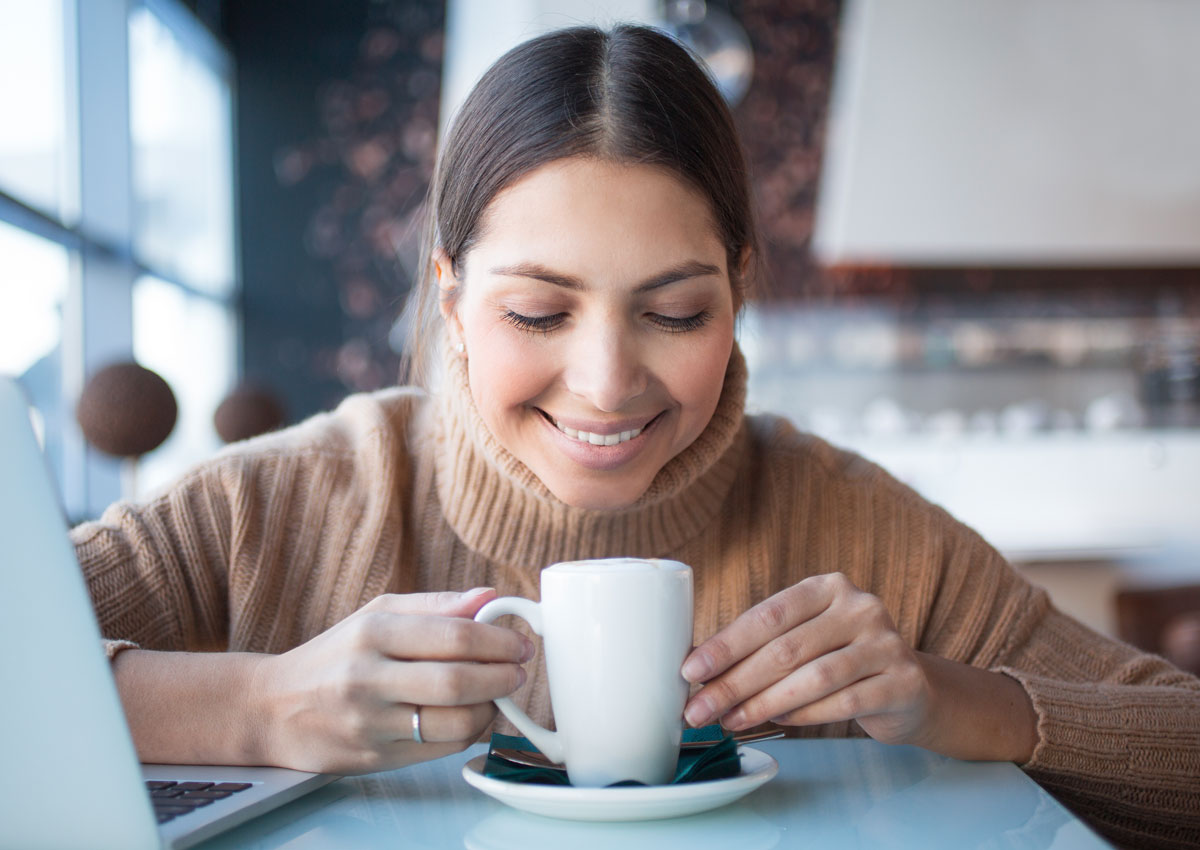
(673, 324)
(534, 324)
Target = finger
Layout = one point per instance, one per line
(445, 603)
(435, 683)
(874, 695)
(827, 674)
(439, 724)
(430, 638)
(764, 622)
(774, 661)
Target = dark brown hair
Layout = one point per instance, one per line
(631, 95)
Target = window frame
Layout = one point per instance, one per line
(95, 220)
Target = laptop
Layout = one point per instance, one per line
(69, 774)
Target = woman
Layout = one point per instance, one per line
(591, 240)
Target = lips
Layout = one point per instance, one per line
(599, 435)
(630, 441)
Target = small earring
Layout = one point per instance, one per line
(461, 348)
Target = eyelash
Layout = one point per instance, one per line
(545, 324)
(533, 324)
(678, 326)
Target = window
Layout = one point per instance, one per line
(33, 150)
(184, 325)
(173, 331)
(182, 173)
(116, 223)
(36, 277)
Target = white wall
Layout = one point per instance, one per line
(478, 32)
(1008, 132)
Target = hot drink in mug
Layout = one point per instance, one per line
(615, 632)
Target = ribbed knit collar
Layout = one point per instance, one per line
(501, 510)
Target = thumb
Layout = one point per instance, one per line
(443, 603)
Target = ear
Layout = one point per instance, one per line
(744, 261)
(448, 293)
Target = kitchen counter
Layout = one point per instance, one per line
(1057, 496)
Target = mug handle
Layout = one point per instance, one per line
(550, 743)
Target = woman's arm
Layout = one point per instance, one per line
(979, 715)
(340, 703)
(1111, 731)
(158, 572)
(192, 707)
(1117, 731)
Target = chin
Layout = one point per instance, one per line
(592, 496)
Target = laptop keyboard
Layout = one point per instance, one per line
(172, 799)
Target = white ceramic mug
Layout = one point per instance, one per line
(615, 632)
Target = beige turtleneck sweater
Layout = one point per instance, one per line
(277, 539)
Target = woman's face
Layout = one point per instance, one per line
(597, 317)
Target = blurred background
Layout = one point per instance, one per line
(982, 229)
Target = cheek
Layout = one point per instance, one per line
(503, 373)
(699, 382)
(697, 389)
(697, 379)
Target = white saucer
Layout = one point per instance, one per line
(625, 804)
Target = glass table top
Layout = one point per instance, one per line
(828, 793)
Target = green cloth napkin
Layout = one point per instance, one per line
(720, 761)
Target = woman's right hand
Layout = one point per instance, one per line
(343, 702)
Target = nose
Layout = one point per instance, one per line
(606, 369)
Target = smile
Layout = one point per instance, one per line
(598, 439)
(606, 439)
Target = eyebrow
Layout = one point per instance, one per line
(683, 271)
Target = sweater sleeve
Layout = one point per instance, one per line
(1118, 729)
(157, 572)
(265, 545)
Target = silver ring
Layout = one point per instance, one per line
(417, 725)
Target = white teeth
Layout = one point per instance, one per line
(598, 439)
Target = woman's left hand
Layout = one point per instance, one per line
(823, 651)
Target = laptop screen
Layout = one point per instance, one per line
(60, 717)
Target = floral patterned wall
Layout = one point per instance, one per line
(375, 154)
(782, 120)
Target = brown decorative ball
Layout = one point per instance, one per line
(1181, 642)
(126, 410)
(247, 412)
